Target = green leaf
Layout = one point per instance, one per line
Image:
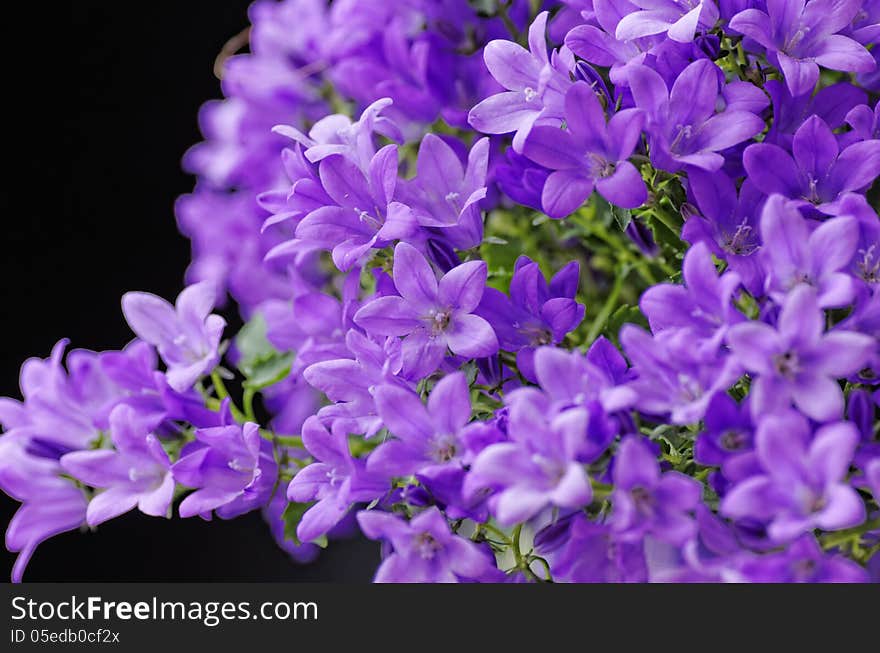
(621, 216)
(624, 314)
(252, 344)
(269, 372)
(260, 362)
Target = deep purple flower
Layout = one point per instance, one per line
(728, 434)
(797, 361)
(820, 172)
(423, 550)
(432, 315)
(335, 481)
(683, 127)
(832, 104)
(803, 484)
(592, 553)
(187, 335)
(232, 468)
(727, 223)
(800, 36)
(588, 154)
(647, 502)
(136, 473)
(536, 313)
(803, 562)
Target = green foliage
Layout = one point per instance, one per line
(260, 363)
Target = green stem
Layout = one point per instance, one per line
(497, 532)
(223, 393)
(836, 539)
(609, 305)
(247, 402)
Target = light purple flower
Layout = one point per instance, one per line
(232, 468)
(444, 195)
(803, 485)
(137, 472)
(187, 335)
(794, 256)
(538, 466)
(703, 304)
(432, 315)
(423, 550)
(678, 19)
(426, 436)
(672, 376)
(535, 81)
(797, 361)
(646, 502)
(336, 480)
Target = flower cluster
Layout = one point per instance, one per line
(576, 291)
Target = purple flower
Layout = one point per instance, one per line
(50, 504)
(728, 435)
(426, 435)
(337, 134)
(232, 467)
(423, 550)
(433, 316)
(674, 377)
(647, 502)
(592, 553)
(683, 127)
(819, 173)
(800, 36)
(833, 104)
(803, 562)
(364, 214)
(351, 382)
(865, 123)
(538, 466)
(136, 473)
(187, 335)
(796, 361)
(803, 484)
(536, 313)
(570, 379)
(588, 154)
(521, 179)
(444, 195)
(794, 256)
(678, 19)
(535, 83)
(335, 481)
(704, 304)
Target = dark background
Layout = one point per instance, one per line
(103, 99)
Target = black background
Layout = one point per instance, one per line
(101, 101)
